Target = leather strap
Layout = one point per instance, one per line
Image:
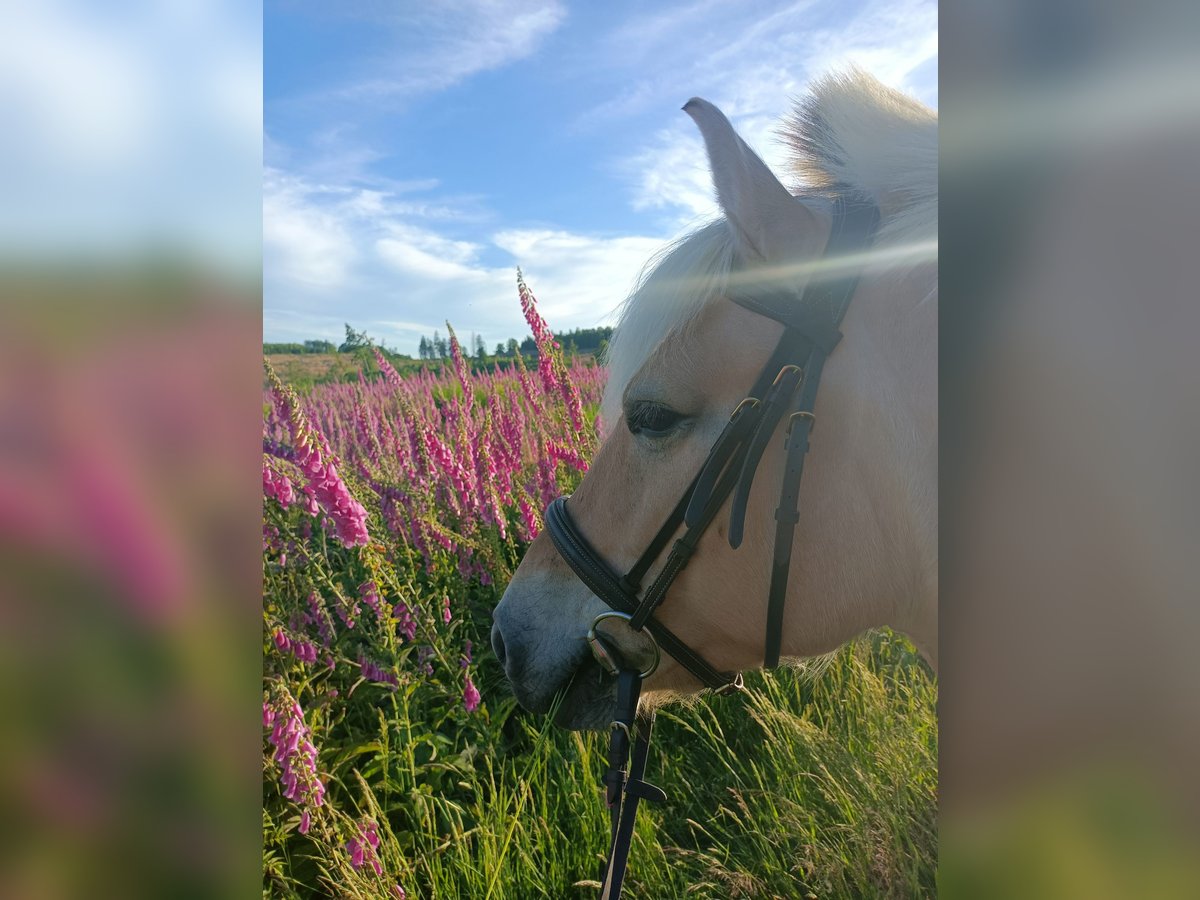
(624, 791)
(633, 578)
(725, 453)
(786, 514)
(777, 401)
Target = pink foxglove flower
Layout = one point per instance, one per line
(303, 650)
(314, 458)
(529, 518)
(406, 624)
(527, 385)
(390, 375)
(295, 755)
(370, 596)
(373, 672)
(318, 616)
(471, 696)
(363, 845)
(542, 336)
(551, 367)
(277, 486)
(460, 365)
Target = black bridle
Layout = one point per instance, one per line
(786, 387)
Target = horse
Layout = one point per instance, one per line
(680, 361)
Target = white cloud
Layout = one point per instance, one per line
(752, 66)
(424, 239)
(579, 280)
(338, 253)
(305, 242)
(891, 40)
(672, 173)
(316, 233)
(445, 43)
(422, 263)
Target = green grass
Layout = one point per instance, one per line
(819, 784)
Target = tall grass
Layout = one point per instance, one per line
(808, 784)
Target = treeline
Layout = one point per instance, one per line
(306, 347)
(579, 340)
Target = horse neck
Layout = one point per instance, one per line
(892, 323)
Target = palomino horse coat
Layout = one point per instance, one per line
(683, 356)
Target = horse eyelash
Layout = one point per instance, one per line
(642, 416)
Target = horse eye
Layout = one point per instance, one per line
(653, 419)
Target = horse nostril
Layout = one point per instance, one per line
(498, 644)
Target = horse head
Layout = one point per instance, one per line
(681, 361)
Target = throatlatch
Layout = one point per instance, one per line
(786, 388)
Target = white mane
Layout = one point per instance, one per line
(851, 129)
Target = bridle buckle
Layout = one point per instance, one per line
(802, 414)
(732, 687)
(747, 403)
(784, 372)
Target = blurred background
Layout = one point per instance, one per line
(1069, 709)
(130, 422)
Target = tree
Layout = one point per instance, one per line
(354, 340)
(480, 349)
(512, 347)
(586, 339)
(499, 349)
(423, 348)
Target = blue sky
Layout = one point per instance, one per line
(416, 153)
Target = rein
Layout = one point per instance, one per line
(786, 387)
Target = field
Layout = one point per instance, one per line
(306, 369)
(397, 764)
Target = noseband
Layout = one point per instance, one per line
(786, 387)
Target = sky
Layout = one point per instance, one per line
(415, 154)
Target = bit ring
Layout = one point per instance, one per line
(604, 655)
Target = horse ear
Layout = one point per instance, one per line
(769, 224)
